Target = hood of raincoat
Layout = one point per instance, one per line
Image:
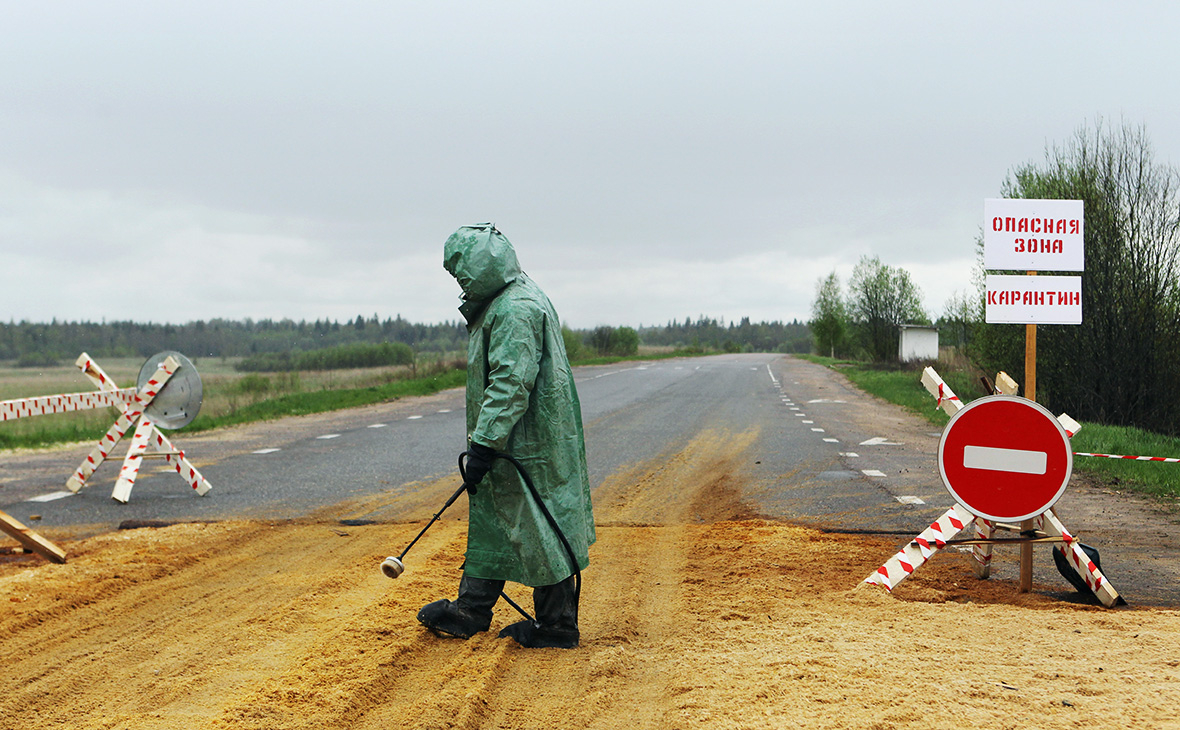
(482, 260)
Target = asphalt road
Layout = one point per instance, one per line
(822, 453)
(633, 412)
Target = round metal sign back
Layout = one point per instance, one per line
(179, 401)
(1005, 458)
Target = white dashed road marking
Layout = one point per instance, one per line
(329, 436)
(50, 497)
(377, 425)
(266, 451)
(910, 500)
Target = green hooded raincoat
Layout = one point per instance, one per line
(521, 400)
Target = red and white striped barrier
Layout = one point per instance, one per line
(921, 548)
(49, 404)
(935, 537)
(1166, 459)
(131, 403)
(133, 412)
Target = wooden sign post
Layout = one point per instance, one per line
(1034, 235)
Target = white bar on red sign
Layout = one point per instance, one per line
(1017, 461)
(1033, 235)
(1033, 299)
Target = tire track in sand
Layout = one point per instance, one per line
(632, 598)
(289, 625)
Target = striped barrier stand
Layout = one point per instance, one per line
(982, 553)
(941, 531)
(921, 548)
(131, 404)
(131, 411)
(1080, 562)
(150, 435)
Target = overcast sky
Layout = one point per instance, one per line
(649, 160)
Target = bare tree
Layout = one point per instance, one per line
(959, 314)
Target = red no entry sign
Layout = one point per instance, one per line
(1005, 458)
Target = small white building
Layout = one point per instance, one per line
(917, 342)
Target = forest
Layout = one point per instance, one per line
(32, 344)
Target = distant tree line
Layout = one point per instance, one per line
(279, 344)
(705, 333)
(31, 343)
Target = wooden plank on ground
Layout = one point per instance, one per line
(31, 540)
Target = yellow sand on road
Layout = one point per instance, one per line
(694, 615)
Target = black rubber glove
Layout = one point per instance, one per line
(479, 461)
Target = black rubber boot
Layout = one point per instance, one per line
(557, 618)
(466, 616)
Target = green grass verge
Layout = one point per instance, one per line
(1155, 479)
(1158, 479)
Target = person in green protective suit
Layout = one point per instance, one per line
(521, 401)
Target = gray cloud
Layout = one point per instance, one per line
(650, 160)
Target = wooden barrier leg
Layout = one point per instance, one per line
(1080, 562)
(984, 530)
(133, 460)
(180, 463)
(99, 453)
(920, 549)
(31, 540)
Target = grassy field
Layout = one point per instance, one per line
(1155, 479)
(230, 397)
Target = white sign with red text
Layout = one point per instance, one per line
(1033, 299)
(1033, 235)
